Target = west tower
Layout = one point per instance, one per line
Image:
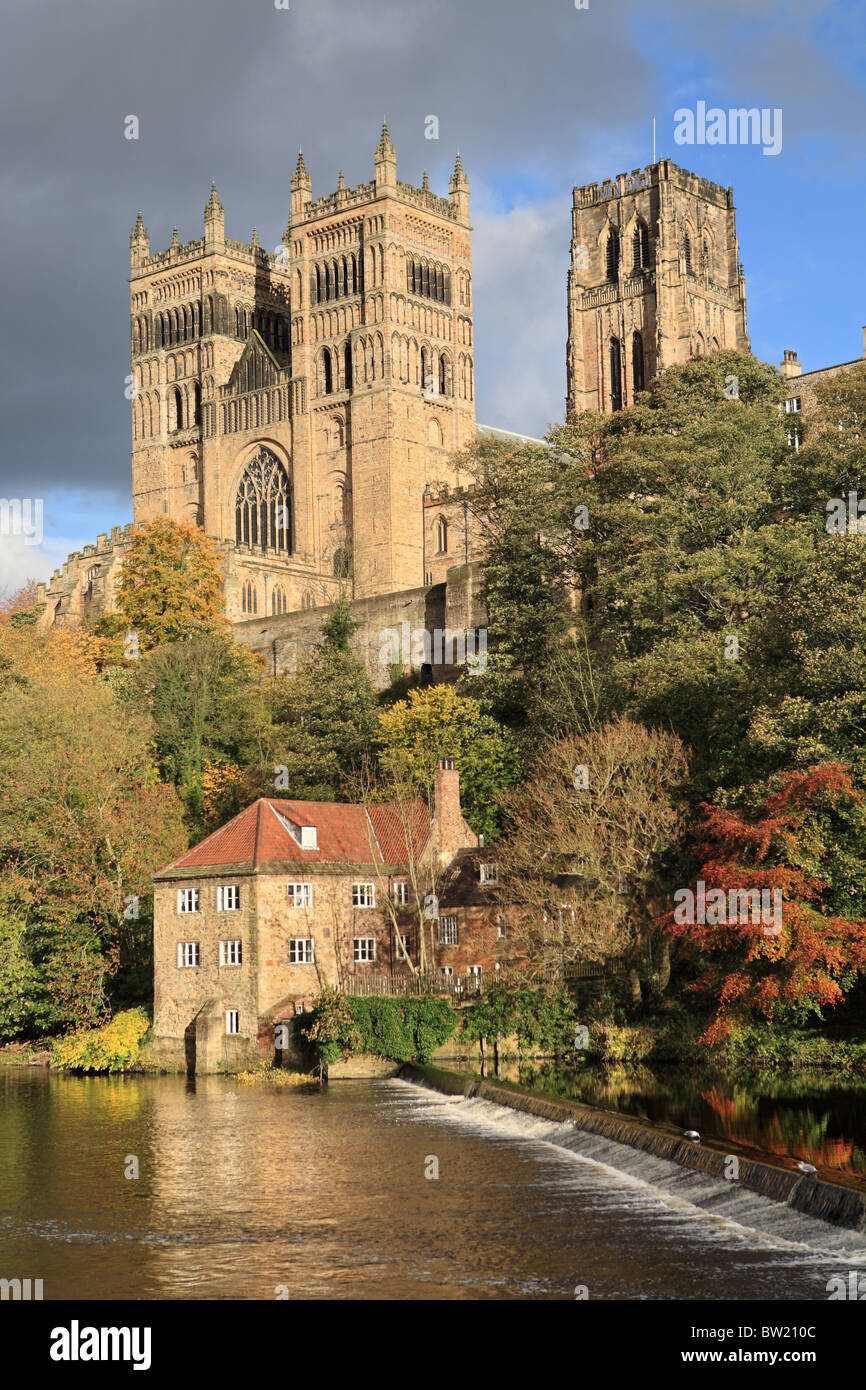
(655, 278)
(296, 403)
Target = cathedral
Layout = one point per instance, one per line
(307, 406)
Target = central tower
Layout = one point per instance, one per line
(655, 279)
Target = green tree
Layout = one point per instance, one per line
(435, 722)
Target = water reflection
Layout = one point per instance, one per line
(805, 1115)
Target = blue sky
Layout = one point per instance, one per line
(538, 97)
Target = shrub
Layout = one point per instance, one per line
(113, 1047)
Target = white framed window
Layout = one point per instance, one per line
(300, 894)
(301, 951)
(231, 953)
(792, 405)
(401, 946)
(501, 928)
(365, 947)
(488, 873)
(474, 972)
(231, 1020)
(446, 972)
(401, 893)
(794, 440)
(187, 953)
(187, 899)
(448, 931)
(228, 897)
(363, 895)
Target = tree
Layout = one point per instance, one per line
(585, 839)
(171, 583)
(323, 719)
(84, 824)
(803, 842)
(202, 692)
(435, 722)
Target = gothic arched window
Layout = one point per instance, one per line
(197, 404)
(611, 257)
(442, 373)
(441, 536)
(641, 246)
(615, 374)
(263, 506)
(328, 372)
(637, 372)
(687, 253)
(249, 597)
(347, 367)
(177, 400)
(278, 600)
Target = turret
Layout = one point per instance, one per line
(458, 187)
(386, 161)
(302, 187)
(139, 244)
(214, 223)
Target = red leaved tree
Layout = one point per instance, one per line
(803, 843)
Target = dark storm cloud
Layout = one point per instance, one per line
(537, 96)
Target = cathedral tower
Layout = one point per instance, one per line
(296, 403)
(655, 279)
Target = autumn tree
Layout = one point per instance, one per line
(171, 583)
(435, 722)
(84, 823)
(804, 843)
(585, 840)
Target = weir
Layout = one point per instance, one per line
(777, 1201)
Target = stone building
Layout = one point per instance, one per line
(290, 895)
(655, 279)
(801, 386)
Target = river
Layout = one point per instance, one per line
(258, 1193)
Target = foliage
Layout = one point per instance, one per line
(113, 1047)
(322, 722)
(435, 722)
(171, 583)
(404, 1030)
(543, 1019)
(84, 823)
(202, 693)
(803, 841)
(585, 839)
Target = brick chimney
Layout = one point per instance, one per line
(450, 831)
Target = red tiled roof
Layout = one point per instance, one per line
(344, 834)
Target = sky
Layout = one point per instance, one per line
(537, 96)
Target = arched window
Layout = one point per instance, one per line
(637, 374)
(687, 253)
(263, 506)
(442, 366)
(441, 536)
(249, 597)
(641, 246)
(341, 564)
(706, 258)
(611, 256)
(426, 374)
(278, 600)
(177, 402)
(699, 346)
(615, 374)
(347, 366)
(327, 372)
(197, 403)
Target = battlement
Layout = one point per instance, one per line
(187, 251)
(330, 203)
(448, 494)
(663, 171)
